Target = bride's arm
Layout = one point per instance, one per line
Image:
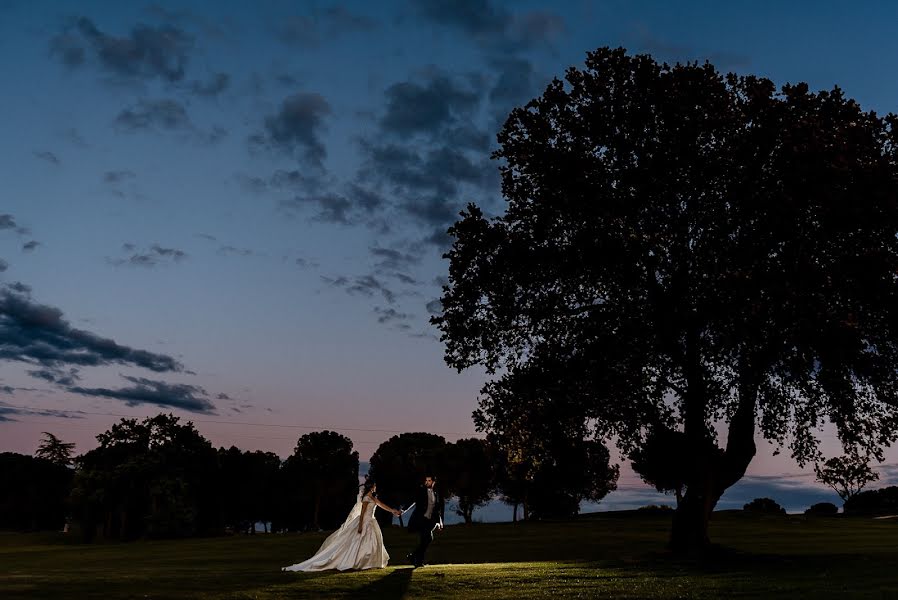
(385, 507)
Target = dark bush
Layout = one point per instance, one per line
(822, 509)
(765, 506)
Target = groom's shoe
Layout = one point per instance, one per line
(414, 560)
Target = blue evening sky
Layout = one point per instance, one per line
(235, 210)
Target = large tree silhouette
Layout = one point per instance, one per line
(155, 478)
(685, 249)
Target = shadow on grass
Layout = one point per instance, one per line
(391, 587)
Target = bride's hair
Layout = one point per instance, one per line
(366, 487)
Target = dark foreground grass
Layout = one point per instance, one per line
(611, 555)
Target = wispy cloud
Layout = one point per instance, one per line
(48, 156)
(8, 223)
(491, 25)
(365, 285)
(146, 52)
(164, 115)
(153, 256)
(9, 413)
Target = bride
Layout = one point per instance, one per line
(357, 544)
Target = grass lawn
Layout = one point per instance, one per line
(608, 555)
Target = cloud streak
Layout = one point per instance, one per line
(159, 393)
(154, 256)
(39, 334)
(8, 413)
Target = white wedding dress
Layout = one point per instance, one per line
(346, 548)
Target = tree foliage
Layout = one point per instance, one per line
(883, 501)
(661, 461)
(471, 466)
(321, 480)
(249, 484)
(55, 450)
(399, 466)
(33, 493)
(686, 249)
(154, 478)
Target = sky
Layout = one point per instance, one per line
(235, 212)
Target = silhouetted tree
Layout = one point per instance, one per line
(847, 474)
(513, 472)
(471, 468)
(55, 450)
(399, 465)
(323, 473)
(554, 464)
(574, 471)
(155, 478)
(249, 482)
(687, 249)
(33, 493)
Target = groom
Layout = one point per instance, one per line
(427, 518)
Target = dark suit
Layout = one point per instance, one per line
(423, 526)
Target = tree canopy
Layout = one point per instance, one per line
(322, 478)
(846, 475)
(156, 478)
(691, 250)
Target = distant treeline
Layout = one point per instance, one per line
(161, 478)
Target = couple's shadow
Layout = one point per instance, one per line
(392, 586)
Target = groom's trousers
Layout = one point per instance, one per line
(425, 536)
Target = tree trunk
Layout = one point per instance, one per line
(689, 533)
(514, 514)
(713, 471)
